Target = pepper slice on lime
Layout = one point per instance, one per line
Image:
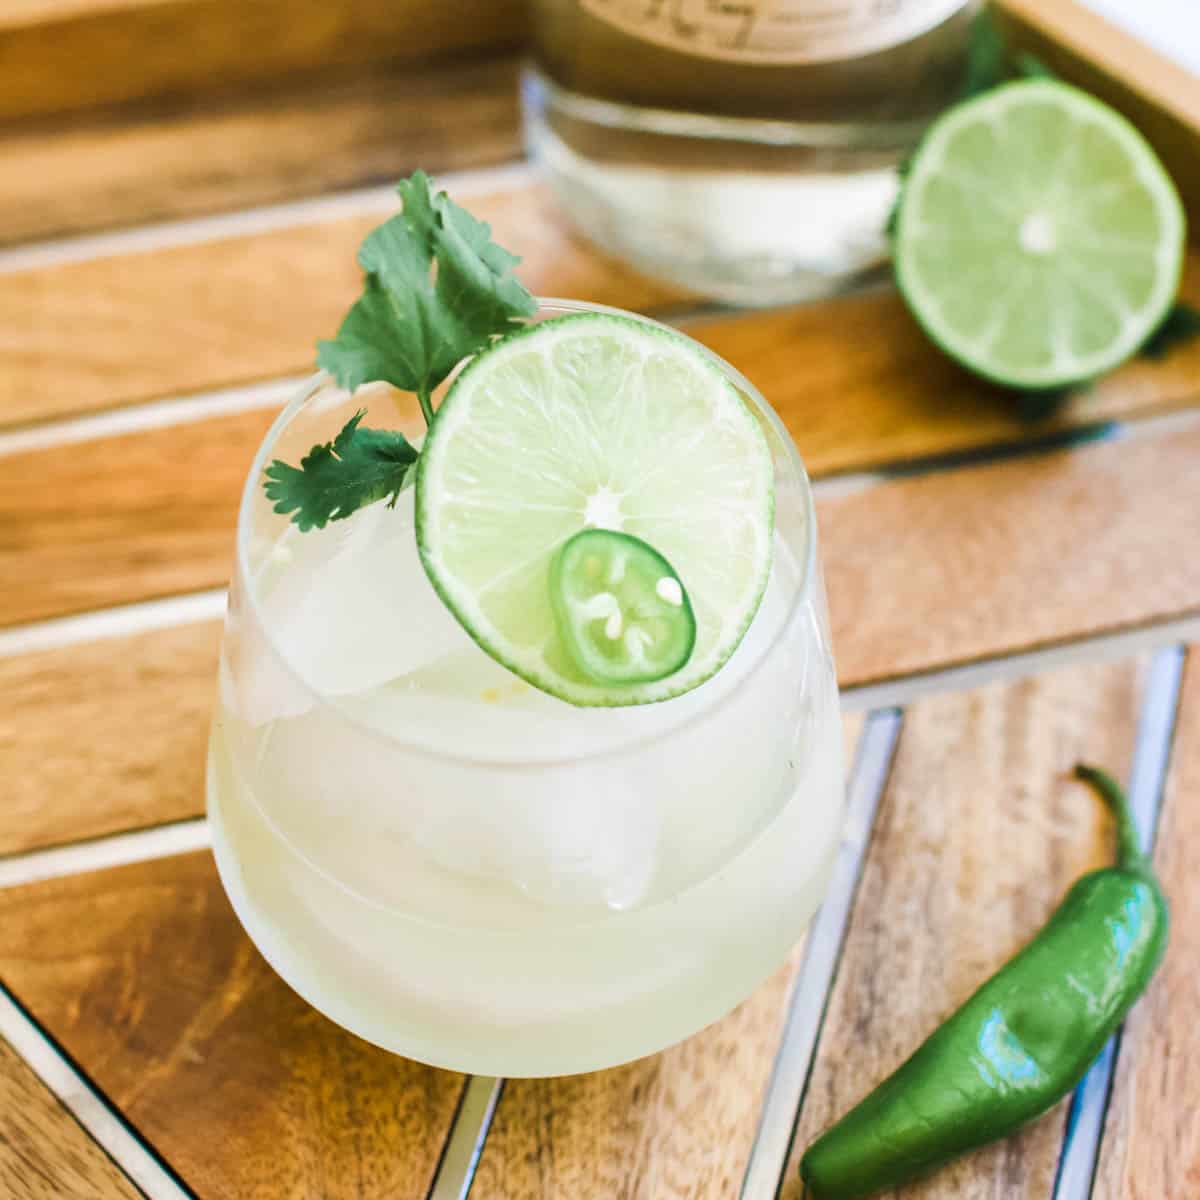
(623, 613)
(598, 422)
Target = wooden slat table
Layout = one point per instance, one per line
(1007, 595)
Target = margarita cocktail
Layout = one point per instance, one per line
(537, 767)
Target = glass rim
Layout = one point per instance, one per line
(801, 592)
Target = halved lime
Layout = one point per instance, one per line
(623, 612)
(601, 421)
(1039, 240)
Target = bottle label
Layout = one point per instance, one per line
(774, 31)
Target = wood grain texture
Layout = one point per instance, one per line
(106, 736)
(123, 518)
(677, 1124)
(97, 334)
(861, 387)
(135, 49)
(922, 573)
(1151, 1146)
(979, 834)
(143, 974)
(44, 1155)
(854, 378)
(674, 1125)
(977, 562)
(191, 158)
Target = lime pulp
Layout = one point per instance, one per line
(1039, 240)
(594, 421)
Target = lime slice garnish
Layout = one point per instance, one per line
(1039, 240)
(623, 613)
(594, 421)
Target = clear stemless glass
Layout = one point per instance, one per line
(474, 874)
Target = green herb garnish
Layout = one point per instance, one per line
(338, 478)
(987, 63)
(437, 290)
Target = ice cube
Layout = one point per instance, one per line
(591, 841)
(352, 607)
(585, 834)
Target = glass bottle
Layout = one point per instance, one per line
(746, 149)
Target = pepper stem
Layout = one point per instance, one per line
(1129, 850)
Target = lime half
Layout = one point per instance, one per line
(605, 422)
(1039, 240)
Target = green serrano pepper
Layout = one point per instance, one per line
(1020, 1043)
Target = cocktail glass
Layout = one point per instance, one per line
(469, 872)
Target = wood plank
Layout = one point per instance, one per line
(1158, 94)
(135, 49)
(979, 834)
(923, 573)
(677, 1124)
(44, 1155)
(856, 380)
(977, 562)
(145, 977)
(143, 974)
(1151, 1146)
(84, 336)
(105, 737)
(861, 387)
(188, 159)
(123, 722)
(124, 518)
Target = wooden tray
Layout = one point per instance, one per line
(1006, 596)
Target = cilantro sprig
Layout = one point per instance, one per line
(436, 290)
(337, 478)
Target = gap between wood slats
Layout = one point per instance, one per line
(308, 137)
(1145, 787)
(146, 759)
(63, 854)
(939, 908)
(86, 1104)
(251, 221)
(1151, 1144)
(454, 1179)
(105, 328)
(810, 991)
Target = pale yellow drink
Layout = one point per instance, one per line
(472, 873)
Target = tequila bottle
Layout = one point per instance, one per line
(747, 149)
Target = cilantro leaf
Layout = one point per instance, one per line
(338, 478)
(366, 347)
(991, 60)
(1029, 66)
(437, 290)
(987, 56)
